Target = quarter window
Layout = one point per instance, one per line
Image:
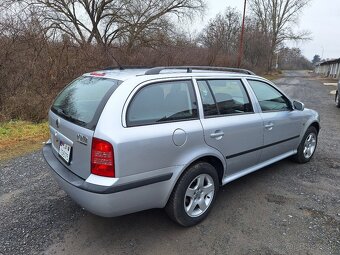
(209, 103)
(223, 97)
(163, 102)
(269, 98)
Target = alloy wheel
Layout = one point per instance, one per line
(199, 195)
(310, 145)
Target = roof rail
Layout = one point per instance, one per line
(157, 70)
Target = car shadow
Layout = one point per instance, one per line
(152, 230)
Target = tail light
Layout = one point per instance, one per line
(102, 158)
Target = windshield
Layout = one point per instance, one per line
(80, 100)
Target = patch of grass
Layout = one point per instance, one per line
(21, 137)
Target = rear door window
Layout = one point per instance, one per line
(224, 97)
(84, 99)
(162, 102)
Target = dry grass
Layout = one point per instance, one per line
(21, 137)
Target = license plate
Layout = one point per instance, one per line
(65, 151)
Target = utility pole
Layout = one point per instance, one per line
(240, 52)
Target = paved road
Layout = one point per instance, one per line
(284, 209)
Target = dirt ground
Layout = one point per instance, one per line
(285, 208)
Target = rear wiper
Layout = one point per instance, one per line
(69, 117)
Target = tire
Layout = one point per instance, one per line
(307, 146)
(337, 99)
(193, 195)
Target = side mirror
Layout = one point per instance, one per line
(298, 105)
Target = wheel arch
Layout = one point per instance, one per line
(212, 160)
(313, 123)
(316, 125)
(215, 159)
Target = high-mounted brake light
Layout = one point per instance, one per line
(102, 158)
(97, 74)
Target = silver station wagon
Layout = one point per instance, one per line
(126, 140)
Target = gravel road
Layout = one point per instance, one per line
(285, 208)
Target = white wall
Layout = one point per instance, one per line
(330, 70)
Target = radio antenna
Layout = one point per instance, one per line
(113, 58)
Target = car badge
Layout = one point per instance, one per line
(82, 139)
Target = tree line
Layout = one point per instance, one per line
(46, 43)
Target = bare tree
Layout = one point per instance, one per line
(106, 21)
(84, 21)
(276, 18)
(292, 58)
(221, 39)
(221, 34)
(256, 45)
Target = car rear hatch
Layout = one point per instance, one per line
(73, 118)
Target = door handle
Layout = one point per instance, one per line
(217, 134)
(269, 126)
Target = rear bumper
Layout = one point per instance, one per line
(126, 196)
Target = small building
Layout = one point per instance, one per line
(329, 68)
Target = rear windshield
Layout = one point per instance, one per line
(82, 101)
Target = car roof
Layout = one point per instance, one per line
(167, 72)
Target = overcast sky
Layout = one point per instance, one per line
(321, 18)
